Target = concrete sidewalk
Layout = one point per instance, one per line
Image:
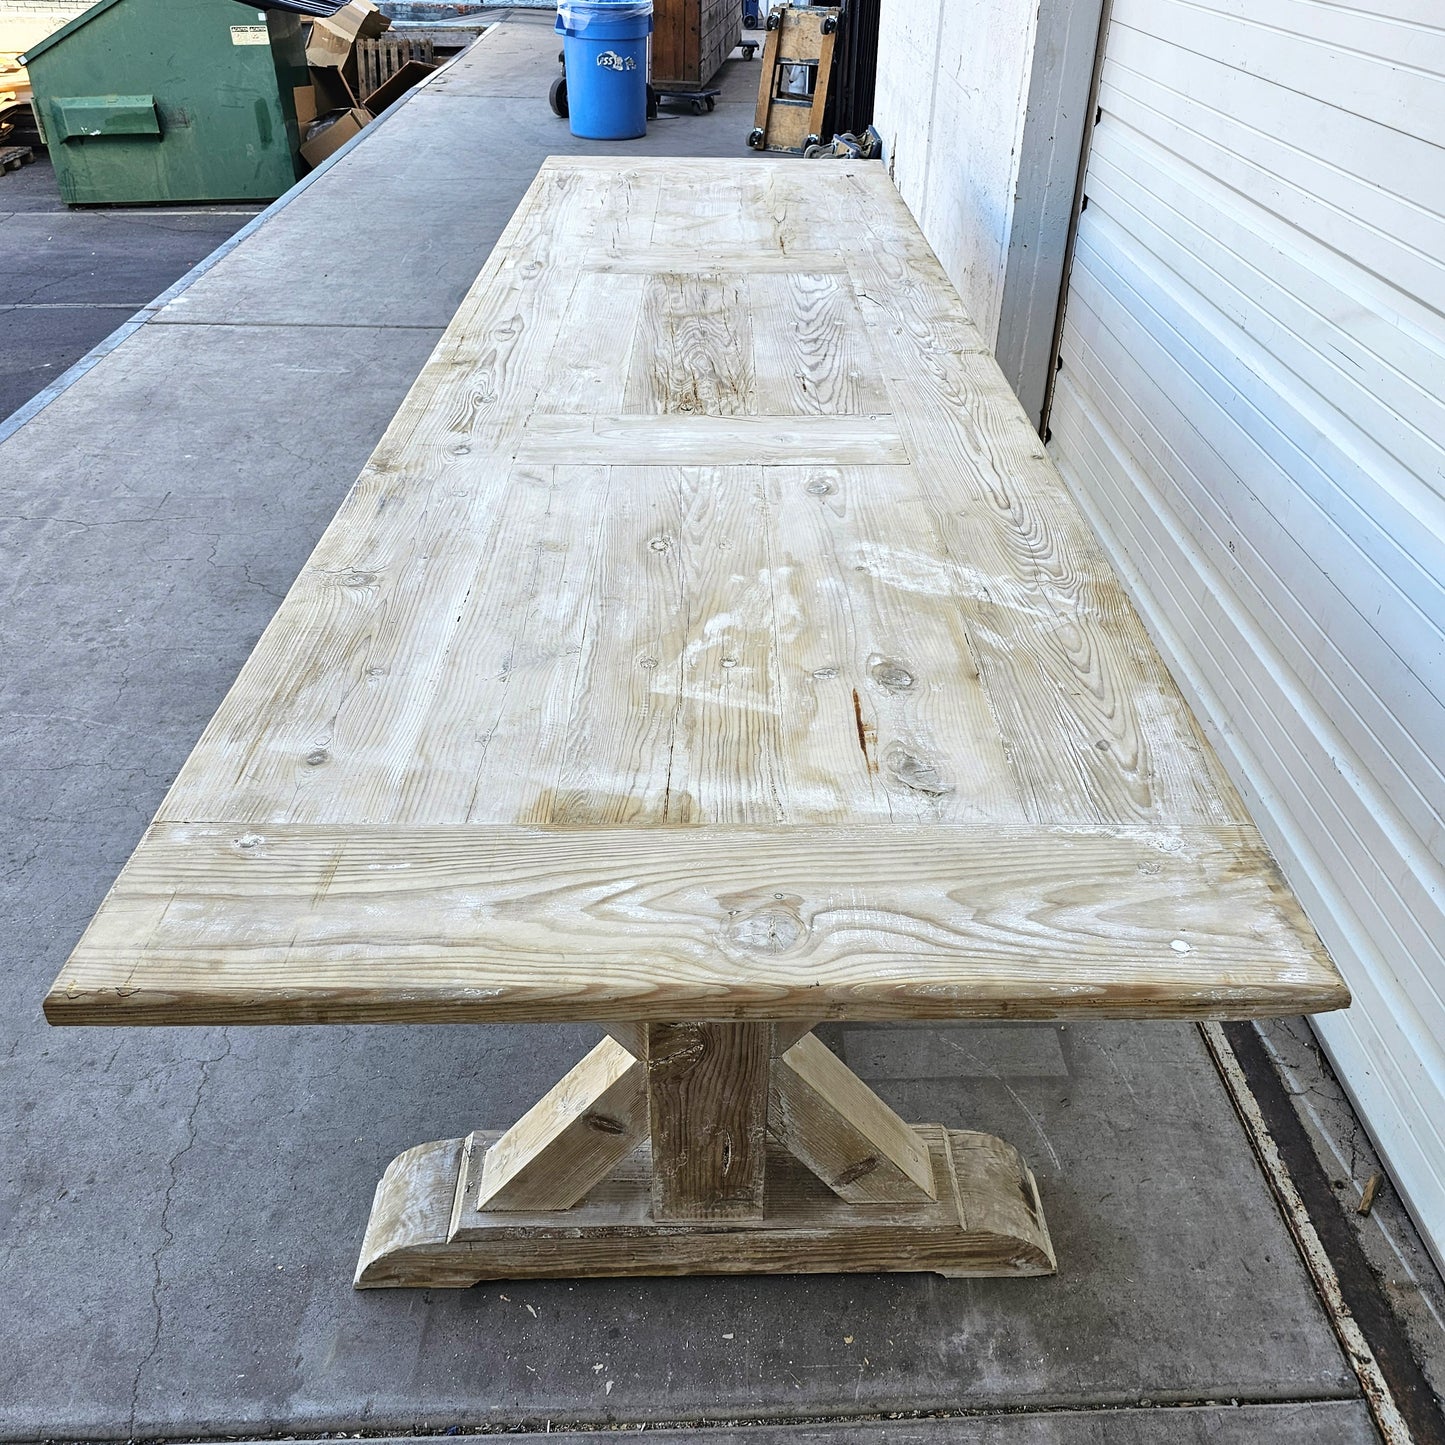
(180, 1210)
(68, 278)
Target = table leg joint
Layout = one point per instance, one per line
(715, 1148)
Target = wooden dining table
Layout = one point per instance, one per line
(709, 649)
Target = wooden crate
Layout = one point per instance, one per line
(691, 39)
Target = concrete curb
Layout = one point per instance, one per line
(29, 410)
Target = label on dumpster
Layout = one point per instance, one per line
(611, 60)
(249, 35)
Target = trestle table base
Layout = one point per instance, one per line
(987, 1221)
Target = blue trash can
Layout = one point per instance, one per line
(606, 47)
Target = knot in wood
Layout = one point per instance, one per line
(774, 929)
(316, 757)
(604, 1124)
(854, 1172)
(916, 774)
(354, 577)
(892, 675)
(819, 487)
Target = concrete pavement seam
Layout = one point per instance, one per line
(528, 1429)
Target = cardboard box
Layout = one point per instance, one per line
(304, 99)
(328, 49)
(334, 38)
(362, 19)
(391, 91)
(328, 111)
(327, 142)
(332, 89)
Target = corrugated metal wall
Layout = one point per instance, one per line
(1250, 409)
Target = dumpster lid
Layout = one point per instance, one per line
(319, 9)
(69, 28)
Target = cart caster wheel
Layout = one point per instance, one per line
(829, 25)
(651, 103)
(750, 52)
(557, 96)
(812, 140)
(711, 104)
(750, 21)
(561, 57)
(773, 21)
(755, 138)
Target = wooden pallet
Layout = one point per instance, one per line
(378, 60)
(800, 39)
(13, 157)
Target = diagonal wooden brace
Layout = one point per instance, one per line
(577, 1187)
(567, 1142)
(827, 1117)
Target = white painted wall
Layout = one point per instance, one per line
(983, 106)
(953, 80)
(1251, 410)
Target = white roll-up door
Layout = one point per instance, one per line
(1250, 408)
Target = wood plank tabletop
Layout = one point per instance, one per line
(709, 636)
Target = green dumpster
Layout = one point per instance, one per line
(170, 100)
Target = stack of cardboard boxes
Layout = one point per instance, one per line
(329, 110)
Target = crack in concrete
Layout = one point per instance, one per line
(167, 1236)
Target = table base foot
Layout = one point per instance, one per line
(987, 1220)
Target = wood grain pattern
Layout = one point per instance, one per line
(1091, 721)
(707, 1104)
(716, 580)
(811, 350)
(307, 924)
(986, 1221)
(569, 1140)
(718, 260)
(700, 360)
(832, 1121)
(700, 440)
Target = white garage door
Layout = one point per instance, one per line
(1250, 409)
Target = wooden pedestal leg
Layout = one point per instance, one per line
(705, 1148)
(707, 1099)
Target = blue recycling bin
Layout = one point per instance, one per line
(605, 42)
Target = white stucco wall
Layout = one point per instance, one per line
(953, 82)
